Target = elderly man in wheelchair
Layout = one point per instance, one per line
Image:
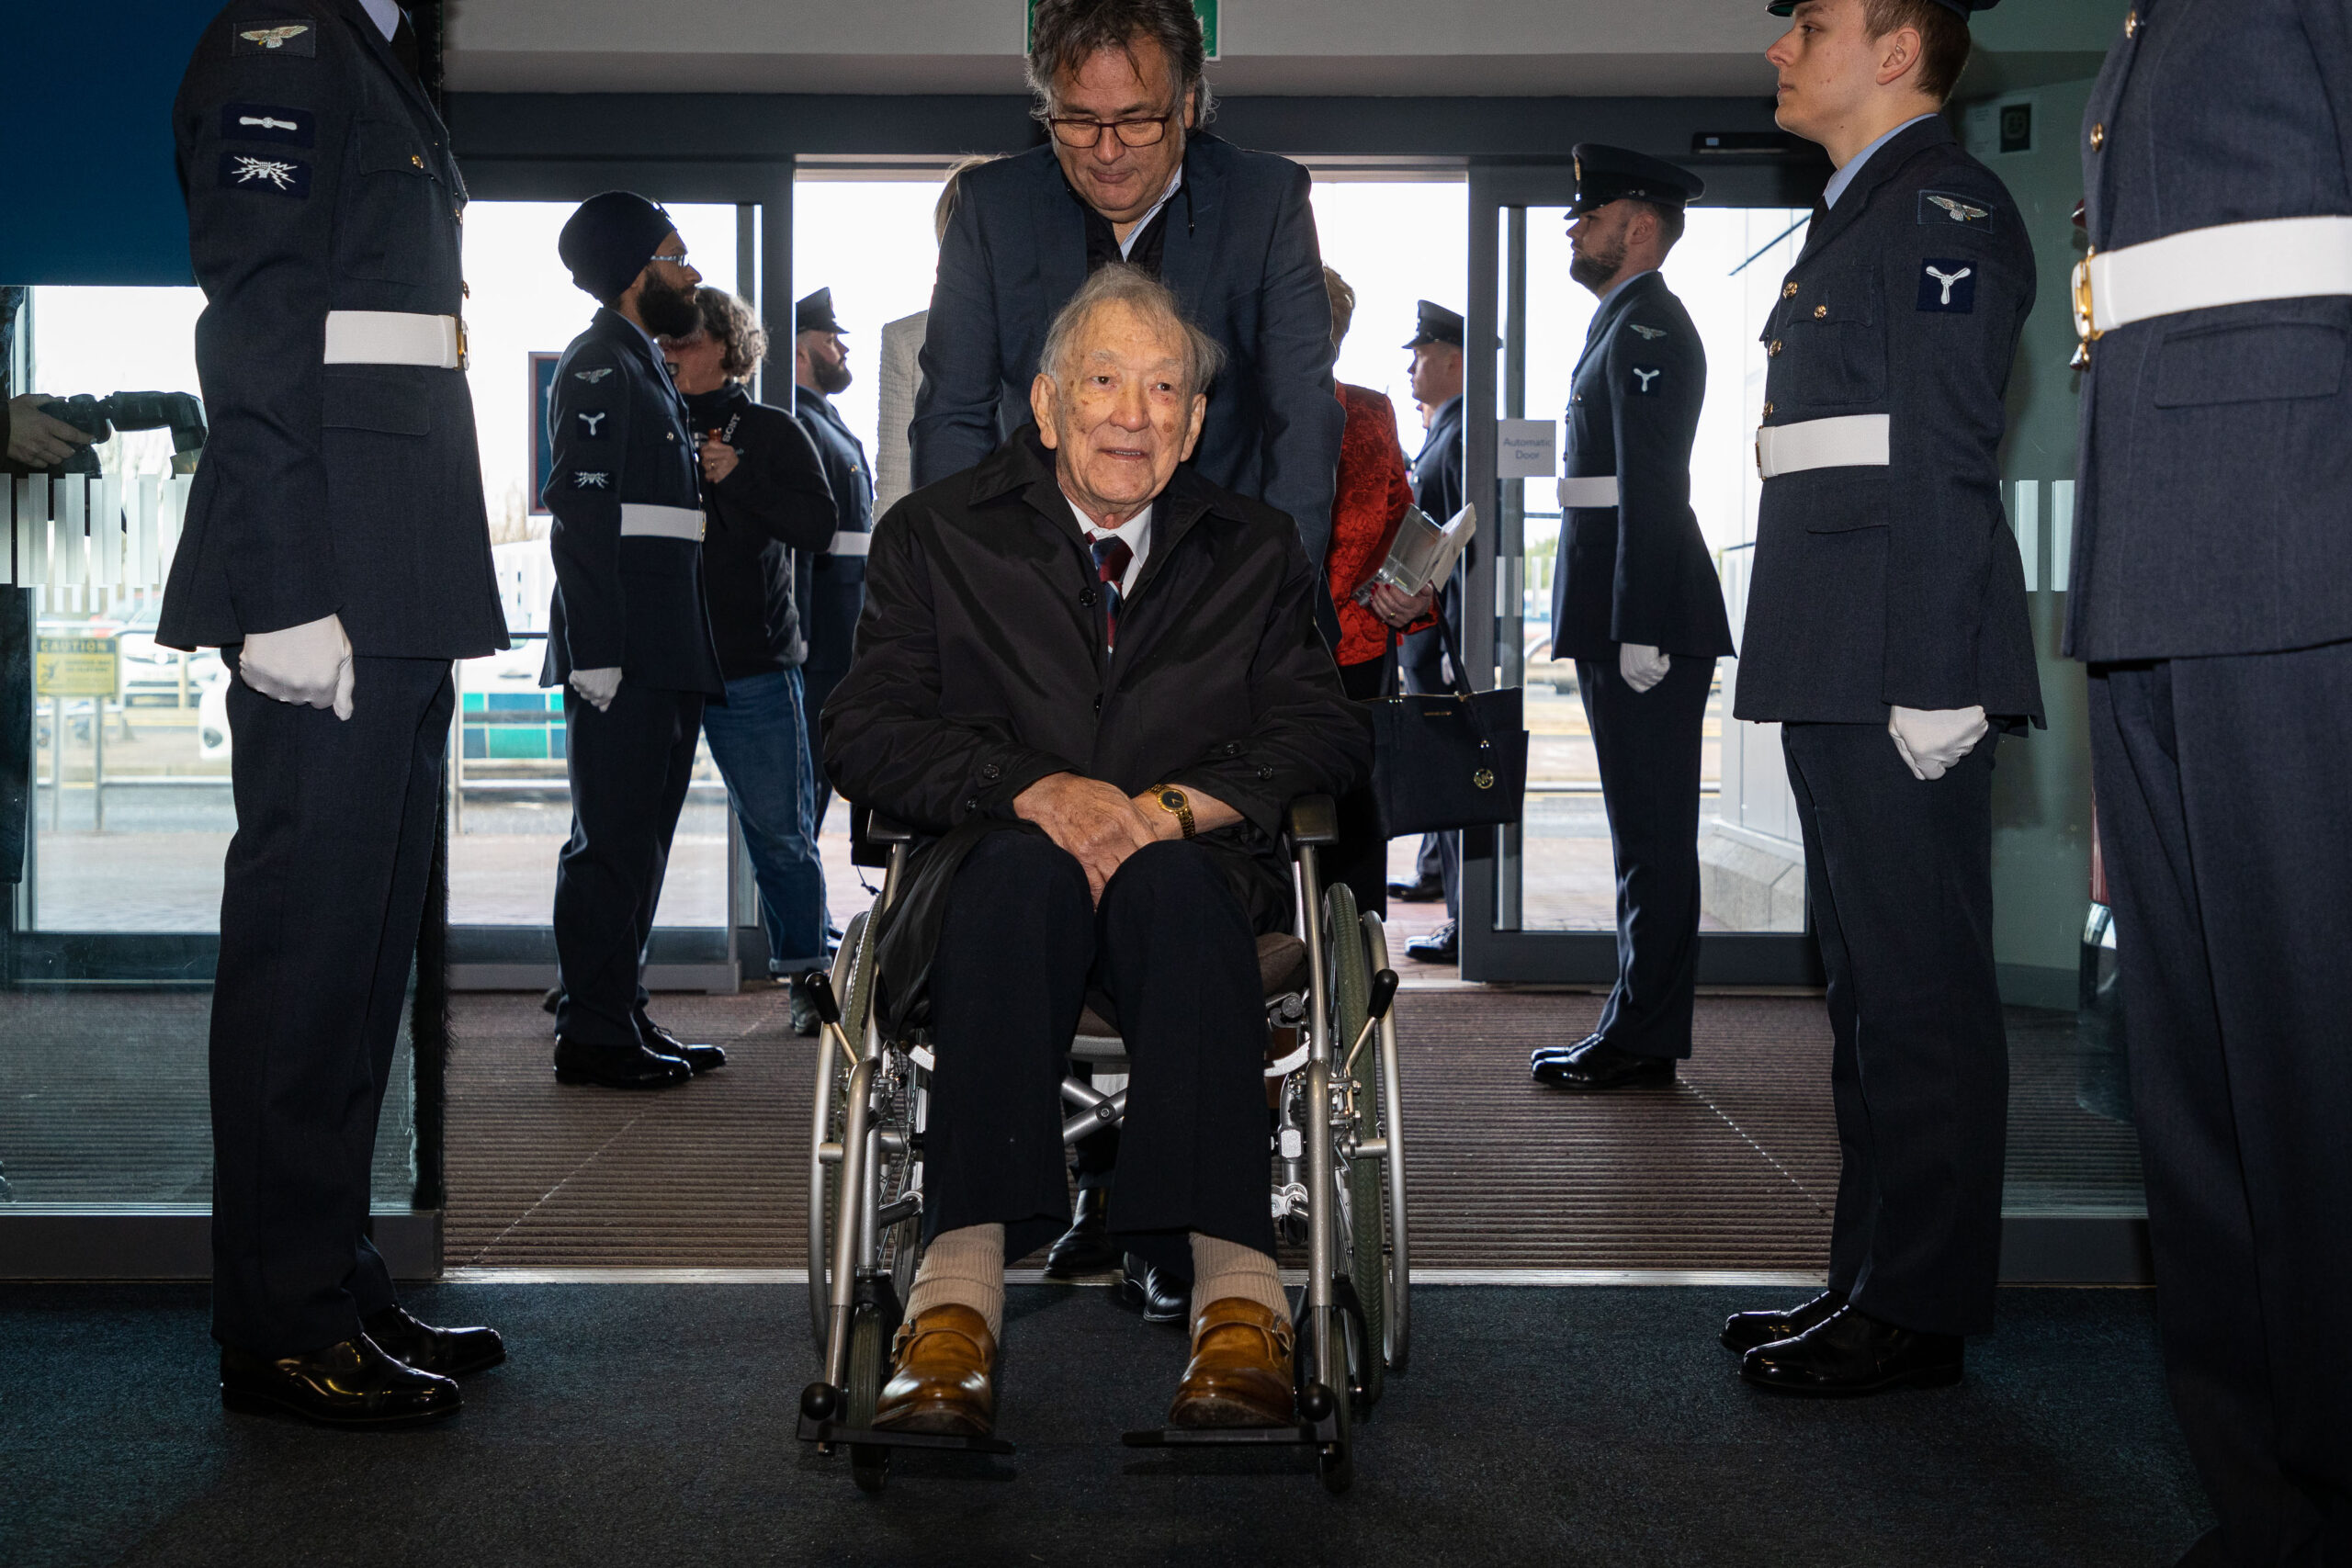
(1093, 680)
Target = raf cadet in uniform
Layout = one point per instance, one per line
(1886, 633)
(2211, 599)
(1439, 482)
(629, 638)
(831, 582)
(1637, 603)
(337, 553)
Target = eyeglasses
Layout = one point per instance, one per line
(1083, 132)
(678, 260)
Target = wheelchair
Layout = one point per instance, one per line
(1336, 1158)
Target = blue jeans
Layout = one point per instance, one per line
(760, 740)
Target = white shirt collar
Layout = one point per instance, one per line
(385, 14)
(1128, 244)
(1136, 531)
(1844, 177)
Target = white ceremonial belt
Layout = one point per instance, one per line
(2230, 263)
(846, 542)
(640, 520)
(1592, 490)
(395, 337)
(1849, 441)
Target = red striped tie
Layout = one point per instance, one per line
(1111, 559)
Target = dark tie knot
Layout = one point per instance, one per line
(1111, 559)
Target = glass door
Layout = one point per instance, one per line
(1539, 897)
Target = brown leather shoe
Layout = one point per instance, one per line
(943, 1359)
(1240, 1375)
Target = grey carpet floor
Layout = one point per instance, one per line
(652, 1424)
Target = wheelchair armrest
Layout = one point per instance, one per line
(1314, 819)
(884, 830)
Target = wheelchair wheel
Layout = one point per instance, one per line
(868, 1366)
(1396, 1306)
(1350, 1006)
(852, 979)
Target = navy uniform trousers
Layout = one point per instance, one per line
(2228, 847)
(1900, 873)
(630, 767)
(335, 826)
(1170, 947)
(1648, 744)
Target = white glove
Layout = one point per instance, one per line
(599, 686)
(1641, 665)
(309, 664)
(1933, 742)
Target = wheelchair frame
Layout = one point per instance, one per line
(862, 1261)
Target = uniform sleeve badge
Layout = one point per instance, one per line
(1948, 285)
(586, 479)
(1941, 207)
(1651, 334)
(592, 425)
(1645, 380)
(269, 122)
(592, 377)
(285, 38)
(277, 177)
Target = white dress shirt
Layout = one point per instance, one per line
(385, 14)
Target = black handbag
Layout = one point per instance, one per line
(1449, 760)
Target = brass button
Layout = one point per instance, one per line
(1819, 311)
(2099, 137)
(1769, 410)
(2132, 24)
(417, 161)
(1790, 292)
(466, 289)
(1773, 351)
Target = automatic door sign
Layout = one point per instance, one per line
(75, 667)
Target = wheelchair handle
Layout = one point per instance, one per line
(1384, 992)
(817, 987)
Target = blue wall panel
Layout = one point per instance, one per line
(87, 190)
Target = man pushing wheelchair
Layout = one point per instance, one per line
(1096, 678)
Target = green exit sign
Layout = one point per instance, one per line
(1204, 9)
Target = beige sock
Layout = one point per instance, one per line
(963, 1267)
(1221, 1269)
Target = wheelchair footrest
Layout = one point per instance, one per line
(1306, 1434)
(830, 1432)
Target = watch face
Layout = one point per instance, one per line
(1171, 799)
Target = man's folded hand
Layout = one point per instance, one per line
(1094, 821)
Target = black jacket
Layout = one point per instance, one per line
(832, 586)
(318, 178)
(623, 598)
(1897, 586)
(980, 667)
(2217, 444)
(774, 507)
(1237, 246)
(1439, 479)
(1638, 571)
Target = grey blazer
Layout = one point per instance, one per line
(2215, 513)
(1242, 255)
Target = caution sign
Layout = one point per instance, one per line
(75, 667)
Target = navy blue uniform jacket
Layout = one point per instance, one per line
(319, 178)
(618, 432)
(2217, 444)
(833, 587)
(1639, 572)
(981, 668)
(1242, 255)
(1896, 586)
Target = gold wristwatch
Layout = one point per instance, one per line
(1172, 799)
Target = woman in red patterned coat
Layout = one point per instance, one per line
(1374, 488)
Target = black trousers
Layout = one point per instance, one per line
(2221, 806)
(1649, 745)
(1901, 877)
(630, 767)
(322, 893)
(1421, 666)
(1360, 857)
(1172, 948)
(816, 686)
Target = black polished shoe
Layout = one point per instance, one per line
(662, 1042)
(1440, 946)
(445, 1352)
(354, 1384)
(1428, 890)
(1594, 1064)
(1163, 1297)
(617, 1066)
(1085, 1247)
(552, 999)
(1851, 1353)
(1744, 1331)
